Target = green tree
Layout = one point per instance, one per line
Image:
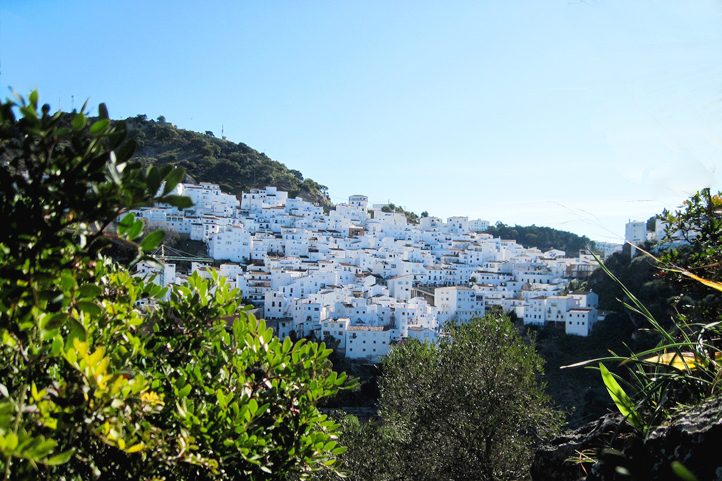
(469, 407)
(93, 384)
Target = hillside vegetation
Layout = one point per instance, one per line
(544, 238)
(235, 167)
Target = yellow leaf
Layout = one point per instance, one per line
(135, 448)
(687, 360)
(80, 346)
(117, 385)
(96, 357)
(706, 282)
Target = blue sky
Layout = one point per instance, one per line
(578, 115)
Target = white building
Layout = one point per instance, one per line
(635, 232)
(459, 303)
(367, 342)
(335, 328)
(580, 321)
(400, 287)
(478, 225)
(232, 243)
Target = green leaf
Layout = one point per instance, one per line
(55, 321)
(11, 441)
(172, 179)
(179, 201)
(252, 407)
(152, 240)
(125, 151)
(221, 399)
(153, 180)
(682, 472)
(268, 335)
(90, 291)
(77, 330)
(90, 308)
(61, 458)
(99, 126)
(622, 400)
(33, 97)
(136, 229)
(56, 346)
(125, 224)
(185, 391)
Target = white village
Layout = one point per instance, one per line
(362, 275)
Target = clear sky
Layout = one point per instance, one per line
(578, 115)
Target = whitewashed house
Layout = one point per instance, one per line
(367, 342)
(232, 243)
(459, 303)
(400, 287)
(580, 321)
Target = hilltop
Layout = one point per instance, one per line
(235, 167)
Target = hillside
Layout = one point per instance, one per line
(544, 238)
(235, 167)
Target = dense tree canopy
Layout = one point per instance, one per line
(469, 407)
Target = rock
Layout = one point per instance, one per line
(692, 437)
(561, 459)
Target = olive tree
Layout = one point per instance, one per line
(469, 407)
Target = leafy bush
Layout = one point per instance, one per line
(102, 374)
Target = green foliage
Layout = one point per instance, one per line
(103, 375)
(240, 401)
(544, 238)
(699, 224)
(467, 408)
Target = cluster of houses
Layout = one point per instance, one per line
(365, 277)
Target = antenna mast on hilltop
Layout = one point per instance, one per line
(223, 130)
